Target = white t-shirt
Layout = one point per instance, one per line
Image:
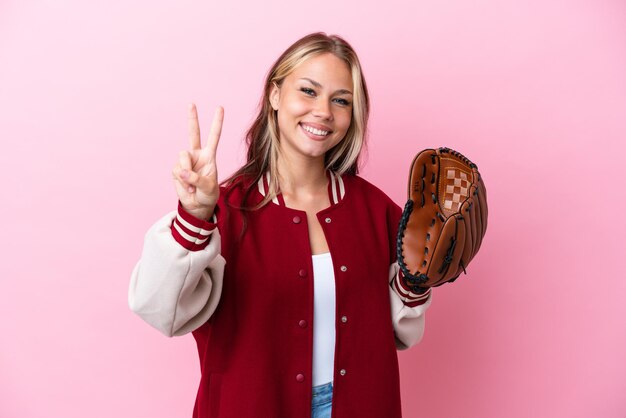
(323, 319)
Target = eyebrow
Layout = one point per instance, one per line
(319, 86)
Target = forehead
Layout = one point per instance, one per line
(327, 69)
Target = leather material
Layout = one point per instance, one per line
(444, 220)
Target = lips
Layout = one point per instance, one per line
(315, 131)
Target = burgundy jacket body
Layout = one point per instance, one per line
(256, 349)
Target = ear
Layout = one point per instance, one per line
(275, 96)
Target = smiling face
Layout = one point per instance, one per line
(314, 106)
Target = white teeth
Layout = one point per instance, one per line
(315, 131)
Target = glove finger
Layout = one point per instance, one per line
(468, 248)
(458, 266)
(479, 220)
(420, 226)
(482, 194)
(476, 217)
(472, 214)
(469, 213)
(449, 246)
(452, 271)
(481, 216)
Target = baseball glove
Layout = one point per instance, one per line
(444, 220)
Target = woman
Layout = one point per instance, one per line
(285, 273)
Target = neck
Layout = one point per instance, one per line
(303, 177)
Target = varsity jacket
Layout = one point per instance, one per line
(248, 301)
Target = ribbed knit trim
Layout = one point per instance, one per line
(409, 298)
(264, 186)
(191, 232)
(336, 188)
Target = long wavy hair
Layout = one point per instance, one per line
(262, 138)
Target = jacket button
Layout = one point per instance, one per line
(302, 323)
(296, 219)
(300, 377)
(328, 220)
(343, 268)
(344, 319)
(341, 372)
(302, 273)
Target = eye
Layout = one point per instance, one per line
(307, 91)
(342, 102)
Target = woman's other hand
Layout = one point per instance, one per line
(195, 173)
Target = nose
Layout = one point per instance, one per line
(322, 109)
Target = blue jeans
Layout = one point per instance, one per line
(322, 400)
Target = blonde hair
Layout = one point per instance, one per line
(263, 136)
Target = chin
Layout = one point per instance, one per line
(314, 153)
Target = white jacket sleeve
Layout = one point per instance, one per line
(407, 310)
(177, 283)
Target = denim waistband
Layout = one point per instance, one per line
(322, 393)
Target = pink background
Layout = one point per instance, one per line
(93, 102)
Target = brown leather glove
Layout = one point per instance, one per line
(444, 220)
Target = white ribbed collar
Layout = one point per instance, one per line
(336, 188)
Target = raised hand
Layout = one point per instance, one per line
(195, 173)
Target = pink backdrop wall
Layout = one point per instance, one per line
(93, 98)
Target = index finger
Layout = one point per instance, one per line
(194, 127)
(216, 130)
